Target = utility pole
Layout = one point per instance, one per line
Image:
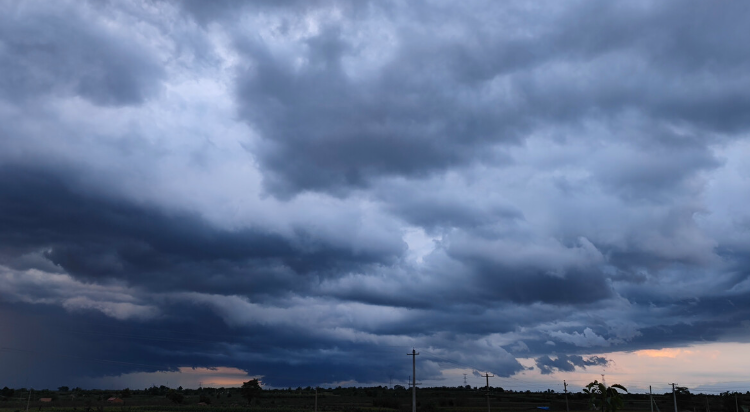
(488, 376)
(708, 406)
(565, 386)
(650, 398)
(28, 400)
(603, 382)
(674, 396)
(316, 399)
(464, 379)
(413, 355)
(736, 405)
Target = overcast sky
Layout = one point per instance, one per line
(306, 190)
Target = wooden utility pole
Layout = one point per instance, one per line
(488, 376)
(674, 396)
(413, 355)
(565, 386)
(650, 398)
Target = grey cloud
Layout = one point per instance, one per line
(564, 177)
(222, 10)
(106, 66)
(587, 338)
(377, 130)
(95, 237)
(438, 205)
(564, 363)
(432, 104)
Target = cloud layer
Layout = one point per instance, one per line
(297, 186)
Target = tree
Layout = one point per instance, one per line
(63, 389)
(251, 389)
(6, 392)
(609, 399)
(175, 396)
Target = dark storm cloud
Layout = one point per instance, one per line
(433, 104)
(90, 345)
(575, 287)
(564, 178)
(397, 124)
(94, 237)
(564, 363)
(58, 50)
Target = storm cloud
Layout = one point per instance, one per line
(319, 187)
(565, 363)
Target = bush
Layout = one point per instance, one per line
(175, 396)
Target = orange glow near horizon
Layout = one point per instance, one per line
(663, 353)
(713, 367)
(217, 377)
(185, 376)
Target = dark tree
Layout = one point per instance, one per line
(175, 396)
(63, 389)
(682, 390)
(251, 389)
(610, 400)
(204, 398)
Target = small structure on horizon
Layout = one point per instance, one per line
(115, 400)
(45, 399)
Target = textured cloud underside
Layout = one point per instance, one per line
(297, 185)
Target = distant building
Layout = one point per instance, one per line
(45, 399)
(115, 400)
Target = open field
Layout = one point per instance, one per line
(375, 399)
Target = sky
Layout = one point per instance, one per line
(201, 193)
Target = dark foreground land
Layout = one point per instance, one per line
(462, 399)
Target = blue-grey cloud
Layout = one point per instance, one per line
(564, 363)
(51, 51)
(318, 187)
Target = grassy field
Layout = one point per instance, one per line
(376, 399)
